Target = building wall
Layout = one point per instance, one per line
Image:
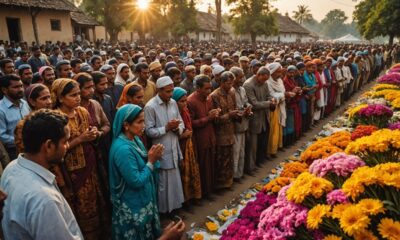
(282, 37)
(43, 25)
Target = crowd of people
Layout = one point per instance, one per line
(118, 135)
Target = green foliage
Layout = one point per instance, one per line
(378, 18)
(253, 17)
(303, 14)
(181, 17)
(334, 23)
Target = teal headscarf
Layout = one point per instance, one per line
(178, 93)
(128, 112)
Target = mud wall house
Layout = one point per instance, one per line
(207, 28)
(289, 31)
(42, 20)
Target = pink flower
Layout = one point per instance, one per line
(336, 196)
(340, 164)
(390, 78)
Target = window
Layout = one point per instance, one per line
(55, 25)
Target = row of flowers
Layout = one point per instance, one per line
(344, 185)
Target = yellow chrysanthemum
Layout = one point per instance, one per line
(389, 229)
(353, 220)
(365, 235)
(353, 111)
(307, 184)
(332, 237)
(371, 206)
(211, 226)
(315, 215)
(339, 209)
(198, 236)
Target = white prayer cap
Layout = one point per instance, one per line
(189, 54)
(217, 69)
(273, 67)
(225, 54)
(164, 81)
(214, 62)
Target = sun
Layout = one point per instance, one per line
(143, 4)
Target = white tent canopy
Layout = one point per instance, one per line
(348, 39)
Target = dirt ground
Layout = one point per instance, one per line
(199, 213)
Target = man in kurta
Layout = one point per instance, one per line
(203, 115)
(277, 118)
(261, 100)
(164, 125)
(149, 88)
(242, 125)
(224, 98)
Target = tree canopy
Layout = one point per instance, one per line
(303, 14)
(378, 18)
(334, 23)
(253, 17)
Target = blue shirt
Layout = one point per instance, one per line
(19, 62)
(35, 207)
(10, 115)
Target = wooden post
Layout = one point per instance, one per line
(34, 13)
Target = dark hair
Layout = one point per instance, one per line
(43, 125)
(173, 72)
(36, 78)
(96, 75)
(3, 62)
(67, 51)
(200, 80)
(23, 68)
(5, 81)
(82, 78)
(140, 66)
(75, 62)
(22, 53)
(133, 90)
(94, 58)
(35, 48)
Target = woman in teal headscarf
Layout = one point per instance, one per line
(133, 174)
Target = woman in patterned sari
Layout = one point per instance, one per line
(133, 177)
(190, 173)
(79, 182)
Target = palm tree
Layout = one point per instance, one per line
(302, 14)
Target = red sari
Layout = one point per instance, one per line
(190, 173)
(293, 104)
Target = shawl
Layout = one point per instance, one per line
(119, 79)
(277, 90)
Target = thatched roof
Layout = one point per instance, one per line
(61, 5)
(287, 25)
(208, 22)
(83, 19)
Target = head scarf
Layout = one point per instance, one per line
(125, 113)
(118, 78)
(154, 65)
(58, 87)
(273, 67)
(29, 90)
(43, 69)
(178, 93)
(124, 100)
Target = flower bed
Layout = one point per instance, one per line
(345, 185)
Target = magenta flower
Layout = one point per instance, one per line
(390, 78)
(394, 126)
(376, 110)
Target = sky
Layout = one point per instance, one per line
(318, 8)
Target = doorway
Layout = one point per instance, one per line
(14, 29)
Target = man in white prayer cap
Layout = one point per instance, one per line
(163, 124)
